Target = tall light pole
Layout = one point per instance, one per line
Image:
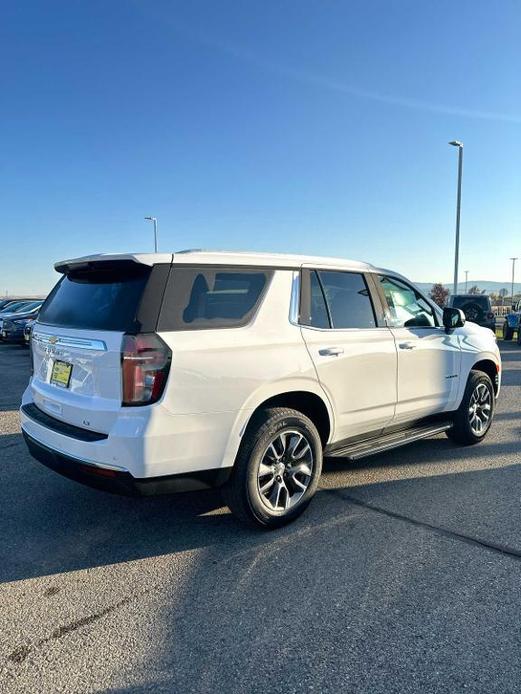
(153, 219)
(466, 279)
(459, 145)
(513, 275)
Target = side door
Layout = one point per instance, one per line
(429, 359)
(353, 351)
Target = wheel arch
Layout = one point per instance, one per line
(491, 368)
(303, 398)
(310, 404)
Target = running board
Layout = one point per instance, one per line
(361, 449)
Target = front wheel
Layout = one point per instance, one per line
(474, 416)
(277, 469)
(508, 333)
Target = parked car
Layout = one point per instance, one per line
(512, 323)
(25, 309)
(13, 328)
(13, 306)
(178, 372)
(476, 307)
(4, 303)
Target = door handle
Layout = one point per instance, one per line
(331, 351)
(407, 345)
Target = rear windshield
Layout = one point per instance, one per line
(102, 297)
(199, 298)
(461, 301)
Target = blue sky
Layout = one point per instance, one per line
(313, 126)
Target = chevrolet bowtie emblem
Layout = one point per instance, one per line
(53, 339)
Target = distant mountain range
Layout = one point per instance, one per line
(489, 287)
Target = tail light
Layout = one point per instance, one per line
(145, 363)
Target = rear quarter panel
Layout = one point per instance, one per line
(234, 370)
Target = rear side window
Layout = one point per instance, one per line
(201, 298)
(102, 297)
(336, 299)
(315, 314)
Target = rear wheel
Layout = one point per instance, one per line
(277, 469)
(474, 416)
(519, 335)
(508, 333)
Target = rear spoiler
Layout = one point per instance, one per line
(92, 262)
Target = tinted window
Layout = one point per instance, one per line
(101, 298)
(199, 298)
(462, 301)
(407, 307)
(313, 310)
(347, 299)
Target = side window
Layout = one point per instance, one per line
(313, 310)
(348, 300)
(198, 298)
(408, 309)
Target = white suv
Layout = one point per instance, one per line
(178, 372)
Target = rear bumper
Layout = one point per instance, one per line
(119, 481)
(147, 442)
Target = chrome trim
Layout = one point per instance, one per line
(295, 298)
(67, 341)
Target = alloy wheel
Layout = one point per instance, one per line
(285, 470)
(480, 409)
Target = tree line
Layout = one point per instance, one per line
(439, 294)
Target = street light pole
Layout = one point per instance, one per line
(513, 275)
(466, 280)
(153, 219)
(459, 145)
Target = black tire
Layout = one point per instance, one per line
(519, 336)
(508, 333)
(242, 492)
(462, 430)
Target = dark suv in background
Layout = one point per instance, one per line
(476, 307)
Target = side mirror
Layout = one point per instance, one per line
(453, 318)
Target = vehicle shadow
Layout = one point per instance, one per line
(53, 525)
(375, 582)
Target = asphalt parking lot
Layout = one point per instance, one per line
(403, 576)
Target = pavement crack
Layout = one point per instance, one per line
(21, 653)
(504, 550)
